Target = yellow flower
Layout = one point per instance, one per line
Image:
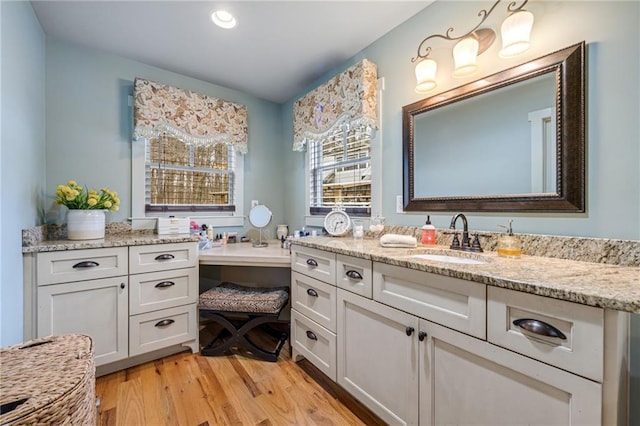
(74, 196)
(115, 208)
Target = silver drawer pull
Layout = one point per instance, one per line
(539, 327)
(354, 275)
(312, 262)
(165, 256)
(164, 322)
(86, 264)
(164, 284)
(312, 292)
(311, 335)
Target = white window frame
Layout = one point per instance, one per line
(141, 220)
(376, 173)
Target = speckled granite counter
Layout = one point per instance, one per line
(594, 284)
(53, 238)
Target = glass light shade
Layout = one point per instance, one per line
(426, 75)
(465, 53)
(516, 30)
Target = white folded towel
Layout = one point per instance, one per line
(396, 240)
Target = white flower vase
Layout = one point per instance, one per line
(85, 224)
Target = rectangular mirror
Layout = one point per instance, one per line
(513, 141)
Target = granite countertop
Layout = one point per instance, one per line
(594, 284)
(110, 240)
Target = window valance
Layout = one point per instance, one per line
(188, 116)
(348, 99)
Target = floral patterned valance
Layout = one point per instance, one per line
(348, 99)
(188, 116)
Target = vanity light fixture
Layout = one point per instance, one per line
(223, 19)
(515, 32)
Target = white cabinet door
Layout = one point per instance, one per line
(466, 381)
(378, 357)
(97, 308)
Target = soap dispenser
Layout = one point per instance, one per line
(428, 233)
(508, 244)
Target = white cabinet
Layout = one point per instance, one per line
(378, 357)
(162, 297)
(97, 308)
(85, 291)
(315, 278)
(468, 381)
(130, 300)
(422, 348)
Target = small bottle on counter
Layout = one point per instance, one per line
(428, 233)
(210, 232)
(508, 244)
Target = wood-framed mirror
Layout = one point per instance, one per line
(512, 142)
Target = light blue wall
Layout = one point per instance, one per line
(611, 30)
(21, 152)
(89, 126)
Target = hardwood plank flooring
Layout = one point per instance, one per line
(194, 390)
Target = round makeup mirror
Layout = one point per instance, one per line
(259, 217)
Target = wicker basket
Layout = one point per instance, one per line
(48, 380)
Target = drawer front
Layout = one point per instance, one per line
(452, 302)
(317, 264)
(160, 290)
(81, 265)
(580, 349)
(355, 275)
(162, 257)
(315, 343)
(314, 299)
(156, 330)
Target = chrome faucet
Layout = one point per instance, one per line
(455, 245)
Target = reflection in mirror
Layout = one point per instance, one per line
(513, 141)
(259, 217)
(507, 136)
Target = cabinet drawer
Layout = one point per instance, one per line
(317, 264)
(315, 343)
(354, 274)
(580, 351)
(160, 329)
(162, 257)
(452, 302)
(314, 299)
(160, 290)
(81, 265)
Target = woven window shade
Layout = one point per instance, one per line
(347, 100)
(186, 177)
(188, 116)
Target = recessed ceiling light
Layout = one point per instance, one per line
(223, 19)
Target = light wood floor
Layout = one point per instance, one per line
(190, 389)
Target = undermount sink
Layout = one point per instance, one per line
(448, 259)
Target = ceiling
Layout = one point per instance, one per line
(277, 49)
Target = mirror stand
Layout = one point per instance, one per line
(259, 217)
(260, 243)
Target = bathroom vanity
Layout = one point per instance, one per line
(481, 340)
(135, 295)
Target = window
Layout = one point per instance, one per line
(182, 177)
(186, 156)
(174, 178)
(340, 172)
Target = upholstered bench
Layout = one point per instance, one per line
(256, 306)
